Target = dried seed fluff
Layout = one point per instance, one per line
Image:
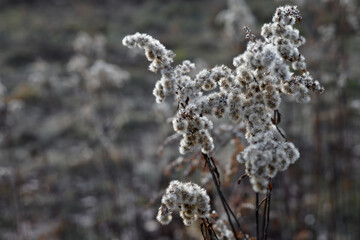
(269, 67)
(189, 199)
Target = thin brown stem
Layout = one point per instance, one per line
(264, 219)
(202, 225)
(262, 201)
(207, 230)
(241, 178)
(215, 175)
(211, 228)
(223, 198)
(257, 216)
(267, 216)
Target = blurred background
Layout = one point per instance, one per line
(85, 152)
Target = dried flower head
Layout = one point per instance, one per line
(189, 199)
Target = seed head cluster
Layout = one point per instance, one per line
(269, 67)
(155, 52)
(222, 230)
(189, 198)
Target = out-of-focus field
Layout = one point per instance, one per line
(80, 161)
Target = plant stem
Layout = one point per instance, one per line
(257, 216)
(215, 176)
(264, 217)
(212, 229)
(267, 216)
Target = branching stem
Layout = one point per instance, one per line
(215, 175)
(207, 230)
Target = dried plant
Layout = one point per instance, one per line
(251, 93)
(189, 198)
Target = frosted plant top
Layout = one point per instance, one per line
(251, 93)
(155, 52)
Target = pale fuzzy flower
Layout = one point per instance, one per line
(15, 105)
(159, 56)
(40, 73)
(77, 63)
(87, 63)
(286, 15)
(82, 43)
(91, 47)
(103, 73)
(189, 199)
(221, 228)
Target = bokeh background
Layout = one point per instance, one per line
(82, 158)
